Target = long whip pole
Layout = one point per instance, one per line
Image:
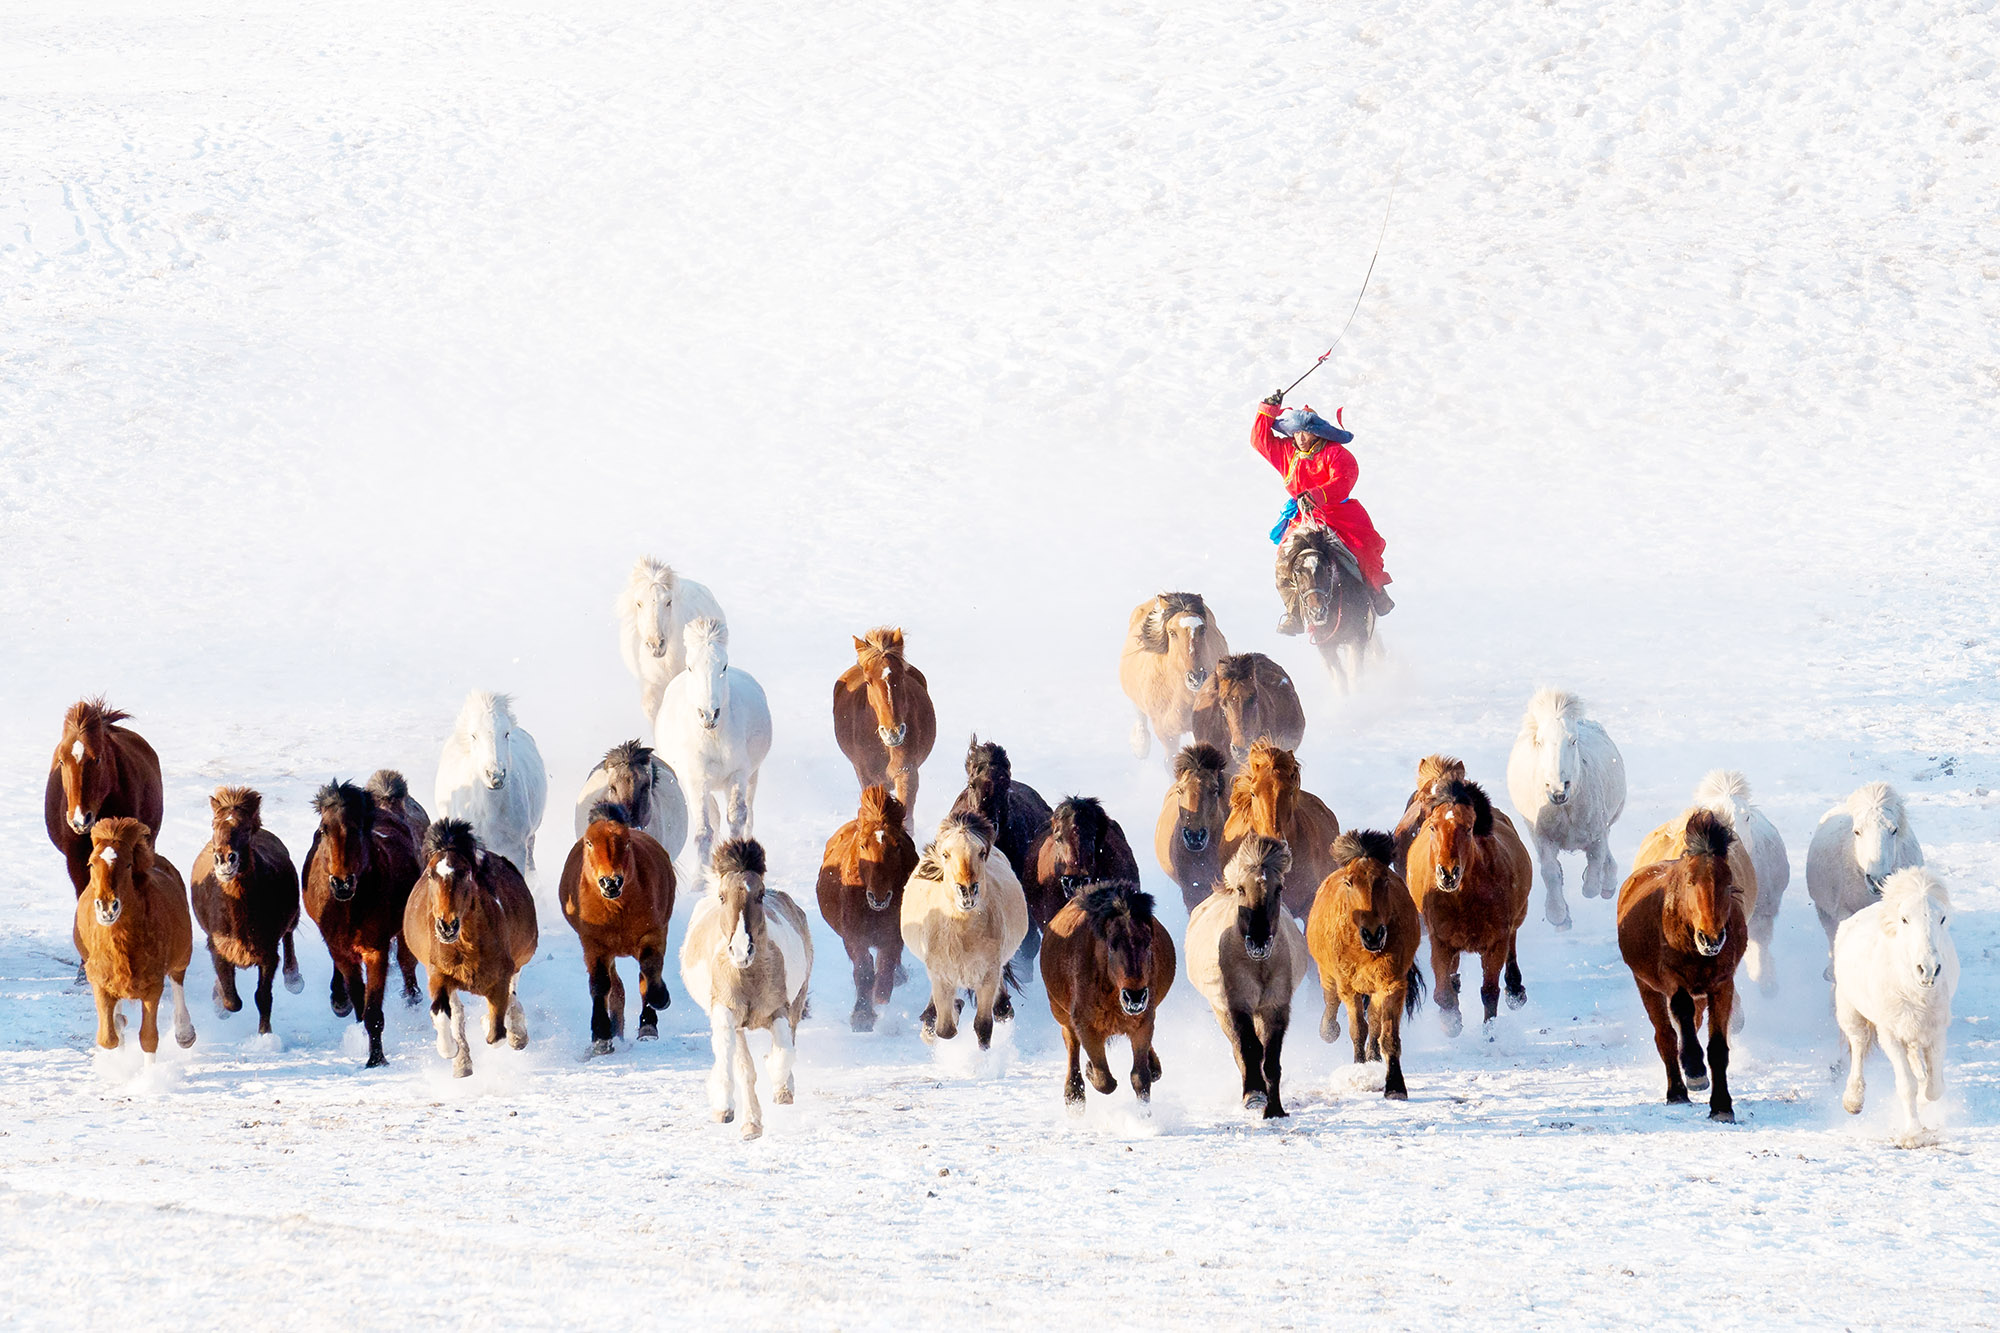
(1365, 278)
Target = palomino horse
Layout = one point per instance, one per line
(100, 771)
(1470, 876)
(1106, 965)
(882, 716)
(1171, 645)
(392, 794)
(471, 921)
(1188, 837)
(1363, 933)
(1332, 598)
(714, 729)
(653, 612)
(633, 778)
(617, 893)
(1250, 698)
(1895, 973)
(246, 897)
(132, 932)
(1017, 811)
(1267, 799)
(1567, 778)
(1082, 845)
(1669, 842)
(490, 775)
(1247, 956)
(747, 960)
(861, 878)
(964, 917)
(1682, 930)
(358, 874)
(1433, 772)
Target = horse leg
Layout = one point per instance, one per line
(1271, 1031)
(441, 1015)
(1357, 1025)
(1682, 1008)
(293, 981)
(650, 693)
(746, 1069)
(1490, 965)
(739, 808)
(1329, 1019)
(1517, 994)
(886, 958)
(653, 993)
(1097, 1067)
(784, 1050)
(1145, 1064)
(1720, 1005)
(517, 1016)
(1142, 736)
(227, 1001)
(267, 976)
(863, 1017)
(1249, 1052)
(375, 979)
(1860, 1034)
(1388, 1011)
(337, 994)
(1600, 871)
(1554, 906)
(461, 1060)
(941, 1019)
(1073, 1079)
(1906, 1086)
(1933, 1061)
(149, 1028)
(600, 973)
(1830, 926)
(1664, 1041)
(107, 1021)
(1757, 956)
(983, 997)
(721, 1086)
(183, 1021)
(1444, 986)
(406, 959)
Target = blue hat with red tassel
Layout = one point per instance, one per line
(1295, 419)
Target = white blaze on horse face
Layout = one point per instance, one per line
(76, 752)
(739, 941)
(108, 855)
(1189, 623)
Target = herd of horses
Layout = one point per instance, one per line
(1275, 889)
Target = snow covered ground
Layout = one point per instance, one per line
(352, 353)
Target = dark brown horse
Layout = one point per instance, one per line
(882, 716)
(617, 893)
(1107, 964)
(1188, 837)
(1250, 698)
(246, 896)
(1082, 845)
(1363, 933)
(392, 794)
(1017, 811)
(100, 771)
(471, 920)
(1470, 873)
(861, 879)
(1267, 798)
(1682, 931)
(1433, 771)
(1325, 583)
(358, 874)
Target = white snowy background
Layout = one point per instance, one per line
(351, 353)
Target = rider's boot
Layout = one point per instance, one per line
(1291, 622)
(1384, 603)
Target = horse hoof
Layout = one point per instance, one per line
(1254, 1101)
(376, 1060)
(1276, 1111)
(342, 1009)
(783, 1097)
(1697, 1083)
(412, 999)
(1073, 1096)
(929, 1034)
(1003, 1008)
(1396, 1094)
(1486, 1029)
(862, 1020)
(1449, 1020)
(1562, 926)
(722, 1117)
(184, 1037)
(517, 1040)
(461, 1069)
(1722, 1114)
(1851, 1103)
(1677, 1097)
(1516, 998)
(602, 1046)
(752, 1131)
(649, 1032)
(294, 982)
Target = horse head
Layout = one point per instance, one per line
(628, 772)
(1177, 627)
(989, 778)
(1704, 888)
(1239, 699)
(1914, 909)
(1256, 877)
(1200, 777)
(1362, 863)
(451, 859)
(648, 603)
(1883, 841)
(707, 644)
(1266, 794)
(885, 683)
(235, 815)
(1121, 920)
(607, 849)
(83, 761)
(958, 858)
(1315, 578)
(121, 853)
(1552, 728)
(486, 725)
(1077, 829)
(346, 828)
(873, 863)
(1457, 814)
(739, 888)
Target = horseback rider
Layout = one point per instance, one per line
(1311, 454)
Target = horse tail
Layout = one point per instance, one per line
(1008, 980)
(1413, 995)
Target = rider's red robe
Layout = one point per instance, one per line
(1322, 482)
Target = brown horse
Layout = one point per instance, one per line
(1107, 964)
(1267, 799)
(1082, 845)
(617, 893)
(100, 771)
(133, 933)
(1433, 771)
(246, 897)
(392, 794)
(862, 874)
(1470, 874)
(1319, 575)
(1188, 837)
(1250, 698)
(1017, 811)
(1682, 930)
(1363, 933)
(358, 874)
(471, 920)
(1171, 645)
(1246, 956)
(882, 716)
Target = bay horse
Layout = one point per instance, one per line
(392, 794)
(357, 879)
(246, 897)
(100, 770)
(964, 917)
(1248, 699)
(617, 893)
(1082, 845)
(1016, 811)
(882, 716)
(1107, 964)
(1172, 643)
(471, 921)
(1187, 839)
(1267, 798)
(1669, 841)
(1363, 933)
(1682, 931)
(747, 961)
(1332, 597)
(1470, 875)
(862, 873)
(133, 933)
(1433, 772)
(637, 781)
(1247, 956)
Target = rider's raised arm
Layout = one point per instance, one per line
(1276, 449)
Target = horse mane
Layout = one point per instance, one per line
(1460, 792)
(628, 754)
(387, 786)
(120, 829)
(1315, 539)
(1283, 764)
(1876, 798)
(246, 802)
(739, 856)
(1204, 759)
(1108, 902)
(1721, 787)
(1236, 668)
(1708, 835)
(646, 573)
(612, 811)
(877, 644)
(1363, 844)
(89, 717)
(1549, 709)
(1153, 628)
(1073, 812)
(354, 804)
(987, 764)
(484, 703)
(705, 632)
(450, 835)
(1915, 882)
(1267, 857)
(880, 806)
(1436, 768)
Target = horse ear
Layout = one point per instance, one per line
(860, 645)
(215, 805)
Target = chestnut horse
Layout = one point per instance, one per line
(133, 934)
(358, 874)
(1107, 964)
(1267, 799)
(1363, 933)
(1250, 698)
(246, 897)
(1470, 875)
(100, 771)
(861, 878)
(471, 921)
(1082, 845)
(1433, 771)
(617, 893)
(882, 716)
(1247, 956)
(1188, 837)
(1682, 930)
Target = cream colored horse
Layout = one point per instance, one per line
(1171, 646)
(964, 915)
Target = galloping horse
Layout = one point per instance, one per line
(100, 771)
(964, 917)
(490, 774)
(861, 878)
(1332, 598)
(1247, 956)
(633, 778)
(133, 934)
(714, 730)
(882, 716)
(358, 875)
(1188, 837)
(1363, 933)
(617, 893)
(1171, 645)
(1082, 845)
(1267, 799)
(471, 920)
(654, 610)
(1470, 876)
(246, 896)
(1106, 965)
(1017, 811)
(1433, 772)
(1250, 698)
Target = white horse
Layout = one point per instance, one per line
(1567, 779)
(1857, 846)
(1895, 972)
(491, 776)
(1727, 793)
(714, 729)
(653, 611)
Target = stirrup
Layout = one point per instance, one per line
(1291, 624)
